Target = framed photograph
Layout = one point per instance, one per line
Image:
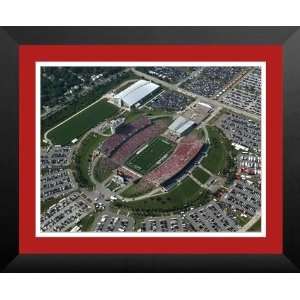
(164, 151)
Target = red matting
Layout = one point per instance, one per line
(29, 243)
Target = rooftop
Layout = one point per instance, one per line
(180, 125)
(137, 91)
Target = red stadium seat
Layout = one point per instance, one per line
(185, 151)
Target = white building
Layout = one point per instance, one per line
(132, 95)
(180, 126)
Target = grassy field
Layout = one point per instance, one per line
(136, 113)
(133, 115)
(87, 222)
(243, 220)
(137, 189)
(199, 132)
(215, 161)
(146, 160)
(83, 157)
(256, 227)
(83, 101)
(158, 112)
(201, 175)
(82, 122)
(186, 194)
(103, 168)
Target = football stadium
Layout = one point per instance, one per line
(157, 152)
(142, 148)
(186, 150)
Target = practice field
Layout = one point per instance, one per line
(81, 123)
(145, 159)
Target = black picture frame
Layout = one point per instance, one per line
(12, 37)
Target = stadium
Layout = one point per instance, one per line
(184, 153)
(148, 149)
(141, 147)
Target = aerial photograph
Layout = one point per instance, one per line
(141, 149)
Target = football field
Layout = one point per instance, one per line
(81, 123)
(151, 155)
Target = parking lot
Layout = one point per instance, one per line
(109, 222)
(247, 94)
(241, 131)
(57, 183)
(164, 224)
(249, 163)
(171, 101)
(212, 80)
(211, 218)
(244, 197)
(169, 74)
(56, 157)
(65, 214)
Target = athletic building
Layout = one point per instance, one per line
(181, 126)
(134, 94)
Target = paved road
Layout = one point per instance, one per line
(211, 116)
(174, 87)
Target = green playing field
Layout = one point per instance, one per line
(151, 155)
(79, 124)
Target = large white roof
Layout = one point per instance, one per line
(177, 123)
(185, 127)
(205, 105)
(180, 125)
(137, 91)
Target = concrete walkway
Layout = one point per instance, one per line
(254, 219)
(207, 171)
